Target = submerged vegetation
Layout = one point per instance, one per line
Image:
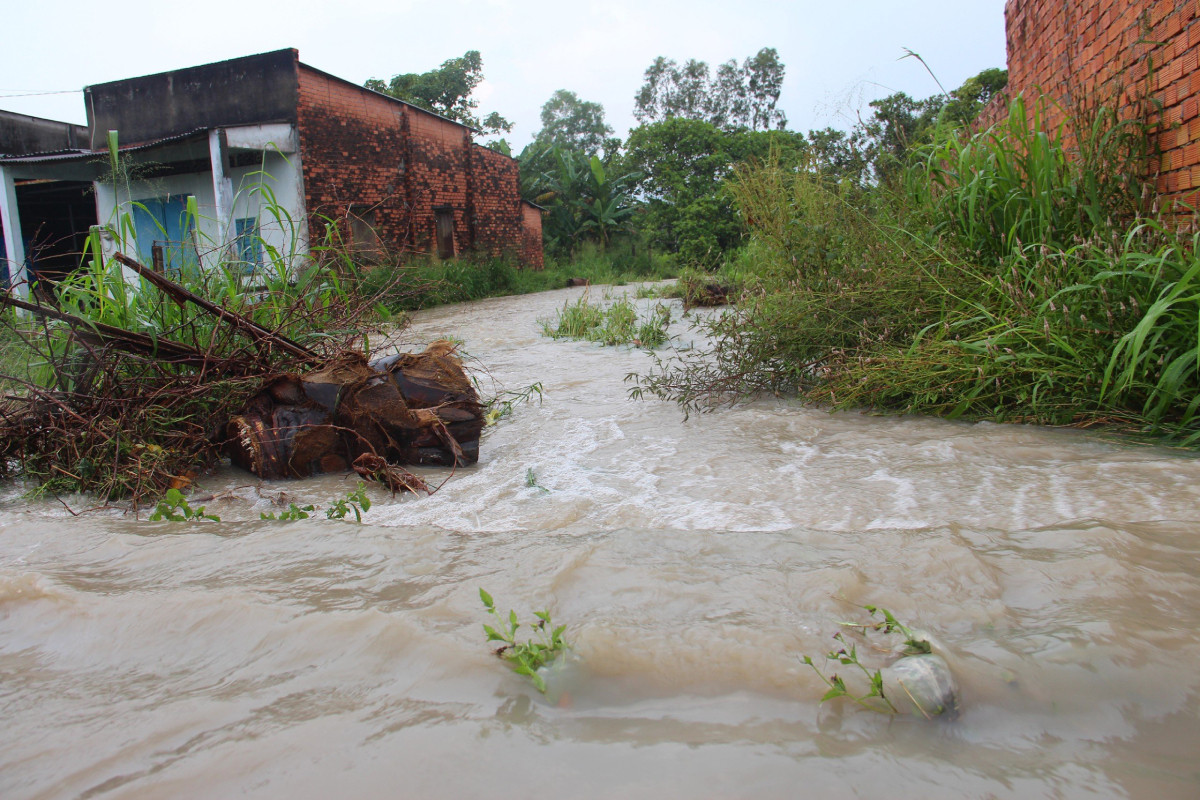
(618, 323)
(915, 672)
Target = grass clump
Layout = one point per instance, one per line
(619, 323)
(427, 281)
(707, 289)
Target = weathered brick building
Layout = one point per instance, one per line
(1146, 52)
(267, 145)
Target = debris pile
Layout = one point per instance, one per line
(132, 413)
(407, 409)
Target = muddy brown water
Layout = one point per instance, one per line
(695, 562)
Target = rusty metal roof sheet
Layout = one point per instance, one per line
(85, 155)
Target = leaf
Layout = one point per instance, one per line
(486, 598)
(492, 634)
(832, 693)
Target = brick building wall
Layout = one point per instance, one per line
(375, 161)
(352, 149)
(1081, 52)
(439, 179)
(497, 204)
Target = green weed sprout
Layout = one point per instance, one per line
(503, 403)
(174, 508)
(847, 655)
(531, 481)
(293, 513)
(356, 502)
(525, 657)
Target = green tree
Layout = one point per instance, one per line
(899, 123)
(838, 154)
(976, 92)
(735, 97)
(536, 162)
(574, 124)
(446, 90)
(683, 164)
(764, 81)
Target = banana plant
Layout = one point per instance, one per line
(584, 200)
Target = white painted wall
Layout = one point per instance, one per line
(272, 191)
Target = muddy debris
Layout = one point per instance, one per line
(408, 409)
(134, 413)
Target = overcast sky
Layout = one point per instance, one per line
(839, 55)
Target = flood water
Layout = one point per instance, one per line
(694, 562)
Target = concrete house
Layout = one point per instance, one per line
(226, 159)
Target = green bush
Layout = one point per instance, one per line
(1018, 279)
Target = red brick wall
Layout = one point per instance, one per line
(353, 148)
(362, 151)
(1084, 51)
(531, 236)
(438, 176)
(497, 203)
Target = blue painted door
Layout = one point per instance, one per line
(165, 233)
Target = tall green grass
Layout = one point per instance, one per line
(1020, 278)
(618, 323)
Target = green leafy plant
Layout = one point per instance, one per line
(503, 403)
(532, 482)
(527, 657)
(874, 699)
(174, 508)
(293, 513)
(355, 502)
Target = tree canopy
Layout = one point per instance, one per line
(683, 164)
(446, 90)
(736, 96)
(575, 124)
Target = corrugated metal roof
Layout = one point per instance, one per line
(85, 155)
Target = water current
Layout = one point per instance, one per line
(695, 562)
